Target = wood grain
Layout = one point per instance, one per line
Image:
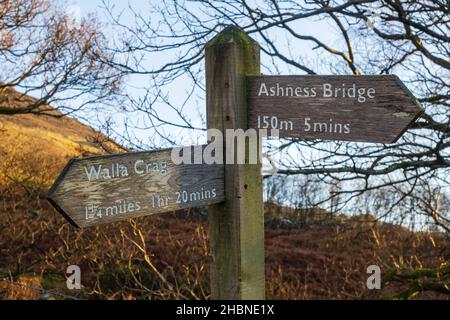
(381, 119)
(137, 194)
(236, 227)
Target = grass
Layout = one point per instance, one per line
(166, 256)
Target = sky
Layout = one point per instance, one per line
(177, 90)
(82, 8)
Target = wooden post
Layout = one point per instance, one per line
(236, 227)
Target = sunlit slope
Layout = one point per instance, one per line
(34, 148)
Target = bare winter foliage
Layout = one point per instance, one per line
(406, 38)
(350, 204)
(310, 253)
(53, 57)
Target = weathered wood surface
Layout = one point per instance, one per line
(131, 185)
(236, 227)
(316, 107)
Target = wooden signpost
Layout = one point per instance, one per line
(103, 189)
(350, 108)
(236, 227)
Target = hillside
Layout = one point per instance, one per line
(166, 256)
(33, 148)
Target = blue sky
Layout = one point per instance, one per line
(177, 90)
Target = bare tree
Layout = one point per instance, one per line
(51, 58)
(408, 38)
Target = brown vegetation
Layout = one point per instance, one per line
(166, 256)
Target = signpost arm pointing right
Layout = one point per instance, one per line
(236, 227)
